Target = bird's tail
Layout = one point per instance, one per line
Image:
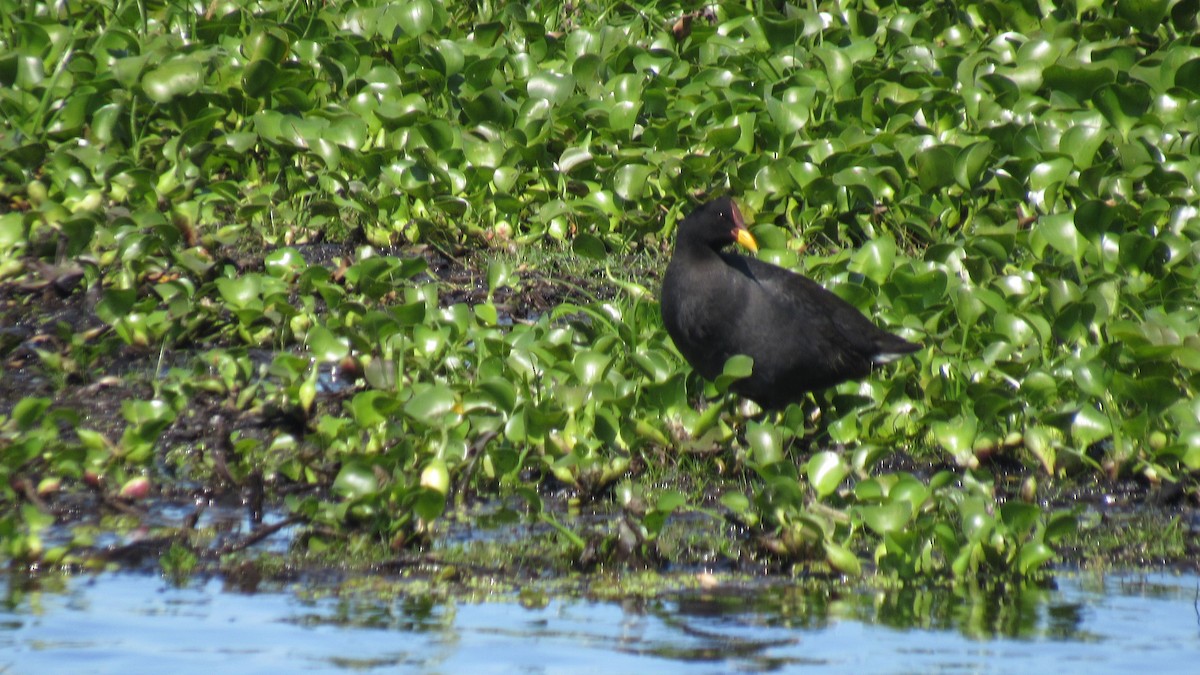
(892, 347)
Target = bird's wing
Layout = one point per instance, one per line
(804, 301)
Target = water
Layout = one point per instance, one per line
(135, 623)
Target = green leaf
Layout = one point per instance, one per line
(773, 178)
(957, 436)
(1089, 426)
(791, 110)
(1081, 142)
(178, 77)
(875, 259)
(1040, 442)
(766, 443)
(436, 476)
(589, 246)
(487, 314)
(30, 411)
(1058, 230)
(629, 181)
(670, 500)
(887, 518)
(590, 366)
(573, 158)
(325, 346)
(499, 274)
(1033, 556)
(551, 86)
(1080, 82)
(270, 45)
(825, 472)
(355, 480)
(842, 559)
(1187, 77)
(736, 502)
(1062, 524)
(243, 292)
(737, 367)
(977, 523)
(12, 231)
(259, 78)
(431, 405)
(429, 504)
(1123, 105)
(935, 168)
(1049, 173)
(1020, 518)
(1145, 15)
(284, 263)
(415, 17)
(971, 163)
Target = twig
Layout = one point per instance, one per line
(25, 487)
(219, 449)
(476, 449)
(257, 536)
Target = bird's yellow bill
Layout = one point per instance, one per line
(746, 240)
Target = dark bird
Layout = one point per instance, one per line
(802, 337)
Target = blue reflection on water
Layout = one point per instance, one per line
(130, 623)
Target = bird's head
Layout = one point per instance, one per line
(716, 224)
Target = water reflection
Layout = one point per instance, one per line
(138, 623)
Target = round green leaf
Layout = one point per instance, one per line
(436, 476)
(242, 292)
(1049, 173)
(971, 163)
(935, 168)
(431, 405)
(259, 77)
(977, 523)
(1123, 105)
(1145, 15)
(284, 263)
(766, 443)
(1187, 76)
(825, 472)
(178, 77)
(886, 518)
(415, 17)
(1089, 426)
(956, 436)
(326, 346)
(356, 480)
(842, 559)
(629, 181)
(589, 246)
(551, 86)
(875, 259)
(1059, 231)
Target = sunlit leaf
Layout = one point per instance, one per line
(825, 472)
(886, 518)
(178, 77)
(355, 480)
(431, 405)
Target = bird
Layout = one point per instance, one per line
(802, 338)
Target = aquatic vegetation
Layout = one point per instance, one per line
(371, 262)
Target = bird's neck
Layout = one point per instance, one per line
(698, 250)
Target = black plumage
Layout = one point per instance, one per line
(802, 337)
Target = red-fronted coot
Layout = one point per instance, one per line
(802, 337)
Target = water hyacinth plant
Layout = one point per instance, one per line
(373, 264)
